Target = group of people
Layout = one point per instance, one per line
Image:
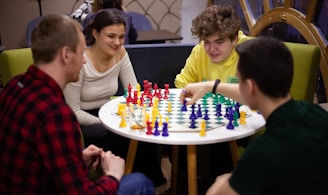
(46, 111)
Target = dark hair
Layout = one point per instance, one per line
(104, 18)
(219, 19)
(51, 34)
(269, 63)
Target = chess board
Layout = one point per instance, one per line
(180, 120)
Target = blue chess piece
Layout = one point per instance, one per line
(206, 117)
(230, 118)
(184, 106)
(193, 115)
(156, 132)
(218, 110)
(192, 124)
(165, 131)
(199, 111)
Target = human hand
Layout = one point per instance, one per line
(91, 156)
(112, 165)
(195, 91)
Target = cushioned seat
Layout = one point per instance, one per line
(14, 62)
(306, 66)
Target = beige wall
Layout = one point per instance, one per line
(15, 15)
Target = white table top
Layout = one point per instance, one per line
(220, 134)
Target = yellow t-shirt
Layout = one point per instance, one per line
(199, 67)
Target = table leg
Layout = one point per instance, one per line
(174, 170)
(234, 152)
(131, 156)
(192, 170)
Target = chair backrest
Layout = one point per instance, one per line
(158, 63)
(306, 66)
(140, 21)
(30, 26)
(14, 62)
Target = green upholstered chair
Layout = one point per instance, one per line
(306, 66)
(14, 62)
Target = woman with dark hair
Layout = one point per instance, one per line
(131, 32)
(106, 61)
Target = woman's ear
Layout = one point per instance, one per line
(95, 34)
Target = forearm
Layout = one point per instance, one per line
(85, 118)
(229, 90)
(221, 186)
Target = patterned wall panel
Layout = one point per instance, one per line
(163, 14)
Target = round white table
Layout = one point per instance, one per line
(221, 134)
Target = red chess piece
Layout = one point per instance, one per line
(145, 85)
(165, 95)
(129, 88)
(159, 94)
(155, 87)
(167, 86)
(135, 97)
(129, 98)
(149, 128)
(150, 102)
(141, 100)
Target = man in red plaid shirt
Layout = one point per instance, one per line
(40, 139)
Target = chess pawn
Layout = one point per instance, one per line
(165, 131)
(169, 106)
(160, 123)
(202, 132)
(149, 128)
(121, 108)
(123, 120)
(138, 89)
(242, 119)
(156, 132)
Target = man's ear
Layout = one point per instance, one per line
(251, 86)
(65, 55)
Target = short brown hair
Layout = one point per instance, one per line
(51, 34)
(220, 19)
(269, 63)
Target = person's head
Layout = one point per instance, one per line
(59, 35)
(107, 30)
(218, 27)
(267, 63)
(104, 4)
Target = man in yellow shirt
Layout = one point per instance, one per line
(218, 28)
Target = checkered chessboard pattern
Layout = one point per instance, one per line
(180, 120)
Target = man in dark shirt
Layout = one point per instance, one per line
(40, 138)
(290, 157)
